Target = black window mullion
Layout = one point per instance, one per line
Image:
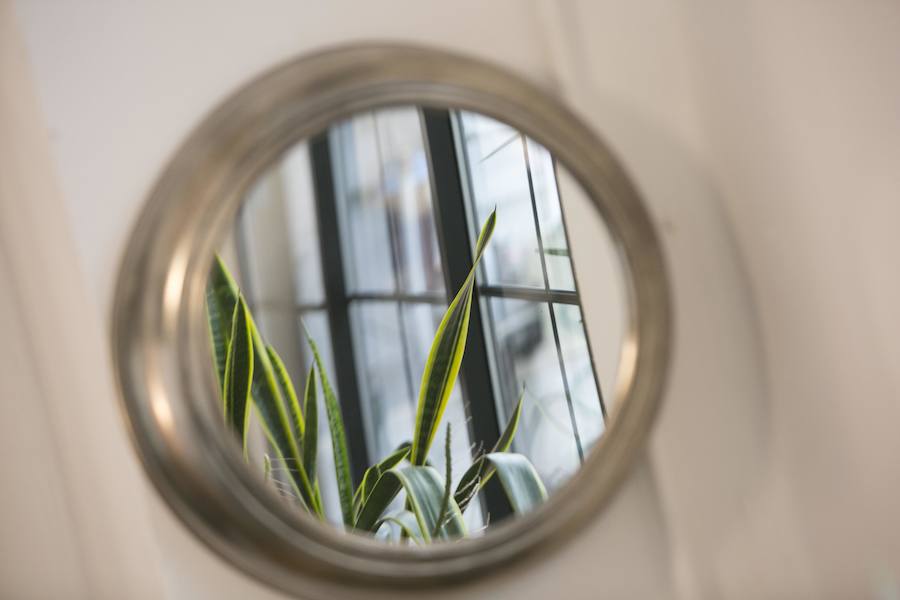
(415, 298)
(338, 304)
(532, 294)
(453, 234)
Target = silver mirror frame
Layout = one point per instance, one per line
(159, 336)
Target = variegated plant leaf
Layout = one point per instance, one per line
(445, 356)
(520, 480)
(338, 438)
(424, 489)
(238, 375)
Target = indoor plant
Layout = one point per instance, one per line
(251, 374)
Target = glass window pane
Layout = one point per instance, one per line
(363, 219)
(495, 163)
(264, 241)
(525, 358)
(384, 387)
(580, 373)
(407, 196)
(553, 232)
(303, 233)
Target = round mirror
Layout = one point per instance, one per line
(390, 315)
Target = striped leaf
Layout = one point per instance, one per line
(442, 365)
(424, 489)
(311, 438)
(448, 483)
(222, 292)
(338, 438)
(239, 373)
(307, 441)
(480, 472)
(269, 403)
(221, 297)
(519, 479)
(287, 393)
(373, 473)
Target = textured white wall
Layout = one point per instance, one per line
(765, 138)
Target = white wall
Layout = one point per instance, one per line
(766, 139)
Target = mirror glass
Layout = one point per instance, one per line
(468, 308)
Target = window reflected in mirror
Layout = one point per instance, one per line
(443, 359)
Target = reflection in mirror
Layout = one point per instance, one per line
(400, 337)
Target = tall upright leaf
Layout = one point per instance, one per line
(338, 438)
(265, 389)
(221, 296)
(448, 483)
(269, 404)
(239, 372)
(288, 394)
(442, 365)
(311, 438)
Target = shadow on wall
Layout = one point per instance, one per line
(710, 451)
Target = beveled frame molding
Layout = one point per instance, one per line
(159, 339)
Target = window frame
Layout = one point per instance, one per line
(454, 212)
(545, 295)
(453, 209)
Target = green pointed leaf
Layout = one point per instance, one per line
(311, 438)
(239, 373)
(522, 484)
(287, 393)
(338, 438)
(222, 292)
(373, 473)
(442, 365)
(424, 494)
(472, 481)
(448, 483)
(512, 425)
(376, 502)
(480, 472)
(273, 417)
(221, 297)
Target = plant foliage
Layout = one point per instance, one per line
(252, 375)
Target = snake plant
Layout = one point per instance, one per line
(251, 374)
